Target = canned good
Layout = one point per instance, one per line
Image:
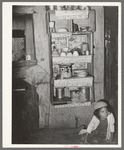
(74, 7)
(87, 52)
(59, 92)
(85, 91)
(72, 93)
(84, 48)
(69, 7)
(81, 7)
(65, 71)
(51, 7)
(59, 7)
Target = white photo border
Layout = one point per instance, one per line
(7, 75)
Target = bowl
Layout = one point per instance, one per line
(75, 53)
(80, 71)
(62, 30)
(81, 75)
(69, 54)
(63, 54)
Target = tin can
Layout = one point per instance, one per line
(81, 7)
(74, 7)
(59, 7)
(85, 91)
(51, 7)
(65, 71)
(69, 7)
(84, 48)
(87, 52)
(59, 92)
(72, 93)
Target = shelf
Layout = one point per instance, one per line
(68, 34)
(72, 14)
(61, 34)
(72, 59)
(78, 82)
(64, 100)
(74, 105)
(24, 63)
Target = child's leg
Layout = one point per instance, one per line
(83, 137)
(92, 138)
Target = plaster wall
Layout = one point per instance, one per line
(39, 75)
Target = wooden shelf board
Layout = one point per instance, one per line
(88, 103)
(23, 10)
(66, 34)
(74, 81)
(72, 59)
(59, 101)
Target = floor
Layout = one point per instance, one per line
(52, 136)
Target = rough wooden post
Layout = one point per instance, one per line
(99, 53)
(41, 37)
(43, 59)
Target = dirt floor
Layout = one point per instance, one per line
(53, 136)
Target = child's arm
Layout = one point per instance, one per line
(112, 126)
(111, 137)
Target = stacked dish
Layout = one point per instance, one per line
(80, 73)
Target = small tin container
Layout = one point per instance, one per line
(58, 7)
(51, 7)
(85, 90)
(74, 7)
(87, 52)
(72, 93)
(84, 48)
(81, 7)
(60, 92)
(65, 71)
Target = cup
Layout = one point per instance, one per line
(69, 54)
(63, 54)
(28, 57)
(51, 24)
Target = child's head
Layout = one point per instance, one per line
(102, 109)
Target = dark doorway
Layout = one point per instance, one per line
(111, 57)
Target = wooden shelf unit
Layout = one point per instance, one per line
(87, 81)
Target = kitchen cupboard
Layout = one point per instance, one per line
(71, 47)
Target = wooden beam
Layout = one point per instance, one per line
(41, 38)
(23, 10)
(42, 49)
